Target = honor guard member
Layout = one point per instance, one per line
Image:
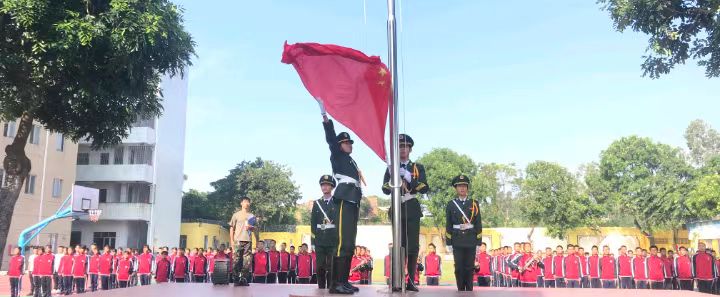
(463, 231)
(347, 199)
(414, 183)
(324, 233)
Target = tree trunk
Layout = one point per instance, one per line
(17, 167)
(675, 238)
(648, 234)
(529, 236)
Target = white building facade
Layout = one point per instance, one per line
(140, 180)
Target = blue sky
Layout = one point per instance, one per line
(500, 81)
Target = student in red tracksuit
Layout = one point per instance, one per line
(94, 267)
(482, 266)
(548, 269)
(16, 272)
(80, 267)
(116, 255)
(105, 268)
(387, 269)
(655, 267)
(433, 267)
(608, 269)
(355, 263)
(304, 265)
(274, 263)
(180, 267)
(593, 268)
(669, 273)
(191, 254)
(529, 267)
(43, 272)
(260, 264)
(584, 280)
(210, 256)
(558, 261)
(284, 264)
(572, 268)
(625, 271)
(313, 256)
(639, 269)
(512, 263)
(144, 267)
(292, 273)
(200, 268)
(65, 271)
(703, 269)
(124, 270)
(162, 268)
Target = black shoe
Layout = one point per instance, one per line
(411, 287)
(351, 287)
(341, 290)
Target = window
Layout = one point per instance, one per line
(83, 159)
(183, 241)
(30, 185)
(215, 242)
(34, 137)
(141, 154)
(119, 155)
(102, 239)
(76, 238)
(102, 197)
(57, 187)
(205, 242)
(59, 142)
(9, 129)
(104, 158)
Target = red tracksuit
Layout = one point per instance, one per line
(514, 273)
(530, 275)
(261, 264)
(180, 267)
(704, 266)
(16, 266)
(162, 270)
(124, 269)
(210, 263)
(558, 261)
(313, 256)
(274, 261)
(200, 266)
(94, 264)
(593, 266)
(80, 265)
(66, 263)
(572, 267)
(432, 265)
(144, 263)
(583, 265)
(191, 261)
(608, 268)
(106, 264)
(284, 261)
(304, 265)
(668, 267)
(43, 265)
(549, 270)
(483, 260)
(655, 268)
(624, 263)
(355, 275)
(293, 262)
(683, 267)
(639, 269)
(387, 266)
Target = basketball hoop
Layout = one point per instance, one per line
(94, 214)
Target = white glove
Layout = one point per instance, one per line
(405, 175)
(322, 106)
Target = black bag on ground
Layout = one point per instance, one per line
(221, 273)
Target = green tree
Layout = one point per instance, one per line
(703, 141)
(195, 206)
(704, 199)
(679, 30)
(86, 69)
(551, 198)
(649, 181)
(600, 192)
(496, 186)
(270, 187)
(441, 166)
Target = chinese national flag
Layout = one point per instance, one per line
(354, 88)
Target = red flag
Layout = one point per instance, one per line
(354, 88)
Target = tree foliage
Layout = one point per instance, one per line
(496, 187)
(704, 199)
(195, 206)
(703, 141)
(679, 30)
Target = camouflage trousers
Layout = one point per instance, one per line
(242, 260)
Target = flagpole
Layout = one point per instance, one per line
(397, 274)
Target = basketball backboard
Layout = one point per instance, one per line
(84, 199)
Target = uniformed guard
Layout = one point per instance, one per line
(463, 231)
(324, 231)
(347, 201)
(414, 183)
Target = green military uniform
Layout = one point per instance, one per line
(411, 211)
(463, 229)
(346, 197)
(324, 234)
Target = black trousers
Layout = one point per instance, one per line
(271, 278)
(324, 259)
(483, 281)
(432, 280)
(15, 286)
(572, 283)
(595, 283)
(282, 277)
(67, 285)
(303, 280)
(260, 279)
(57, 280)
(626, 282)
(704, 286)
(292, 277)
(123, 284)
(79, 285)
(145, 279)
(32, 283)
(550, 283)
(608, 284)
(199, 279)
(93, 282)
(347, 217)
(686, 284)
(46, 285)
(105, 282)
(464, 267)
(528, 285)
(657, 285)
(313, 278)
(113, 281)
(641, 284)
(179, 279)
(585, 282)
